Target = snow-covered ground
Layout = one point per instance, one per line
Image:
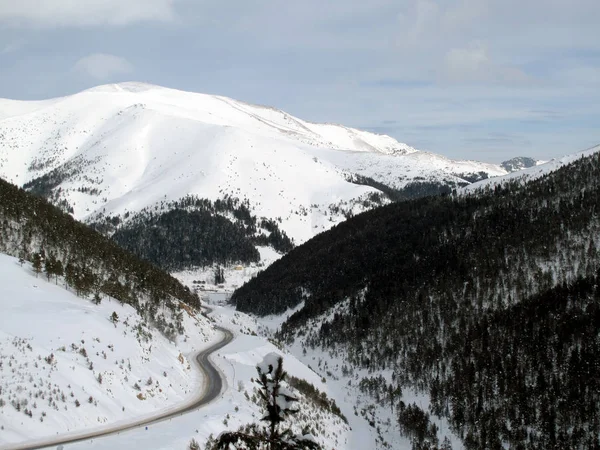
(63, 360)
(44, 369)
(121, 148)
(398, 170)
(202, 279)
(237, 406)
(374, 424)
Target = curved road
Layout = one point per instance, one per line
(212, 389)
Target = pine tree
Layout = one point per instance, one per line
(49, 265)
(58, 270)
(37, 263)
(219, 275)
(279, 404)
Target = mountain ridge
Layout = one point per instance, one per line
(123, 147)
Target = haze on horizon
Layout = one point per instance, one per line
(471, 79)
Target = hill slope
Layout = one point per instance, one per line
(65, 366)
(93, 266)
(414, 288)
(533, 172)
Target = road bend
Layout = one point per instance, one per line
(212, 389)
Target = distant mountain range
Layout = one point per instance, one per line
(242, 177)
(118, 149)
(519, 163)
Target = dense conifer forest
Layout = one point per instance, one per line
(414, 189)
(488, 302)
(196, 232)
(92, 265)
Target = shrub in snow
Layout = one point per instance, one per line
(193, 445)
(278, 402)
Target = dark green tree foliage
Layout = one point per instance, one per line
(317, 397)
(51, 266)
(473, 299)
(43, 186)
(196, 232)
(415, 424)
(276, 238)
(91, 262)
(47, 186)
(527, 374)
(414, 189)
(219, 275)
(277, 401)
(36, 263)
(473, 177)
(178, 239)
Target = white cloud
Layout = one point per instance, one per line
(81, 13)
(101, 66)
(473, 64)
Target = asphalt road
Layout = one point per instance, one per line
(212, 389)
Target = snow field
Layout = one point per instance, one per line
(57, 350)
(238, 404)
(202, 279)
(44, 330)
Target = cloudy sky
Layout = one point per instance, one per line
(480, 79)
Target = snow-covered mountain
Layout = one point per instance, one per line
(532, 172)
(124, 147)
(520, 163)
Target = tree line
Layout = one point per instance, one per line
(196, 232)
(34, 230)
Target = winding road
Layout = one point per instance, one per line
(212, 388)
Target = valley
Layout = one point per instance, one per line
(417, 301)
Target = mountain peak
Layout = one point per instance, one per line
(130, 146)
(519, 163)
(126, 86)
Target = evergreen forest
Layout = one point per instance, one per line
(196, 232)
(488, 302)
(90, 264)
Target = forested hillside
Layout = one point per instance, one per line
(486, 302)
(92, 265)
(194, 232)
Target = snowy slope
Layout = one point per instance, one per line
(530, 173)
(236, 407)
(43, 369)
(344, 383)
(398, 170)
(127, 146)
(54, 346)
